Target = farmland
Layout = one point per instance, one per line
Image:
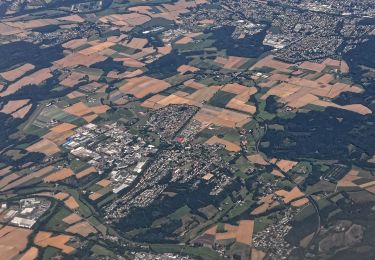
(198, 129)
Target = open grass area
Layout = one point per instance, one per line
(55, 223)
(199, 252)
(180, 212)
(49, 253)
(98, 250)
(221, 98)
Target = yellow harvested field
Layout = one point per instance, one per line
(14, 105)
(74, 44)
(326, 78)
(137, 43)
(289, 196)
(73, 79)
(72, 18)
(181, 93)
(126, 74)
(63, 127)
(6, 30)
(204, 94)
(299, 92)
(127, 20)
(331, 62)
(4, 171)
(221, 117)
(266, 203)
(226, 235)
(237, 89)
(13, 240)
(332, 91)
(86, 172)
(277, 173)
(245, 232)
(8, 179)
(21, 113)
(271, 62)
(257, 254)
(357, 108)
(71, 203)
(76, 59)
(12, 75)
(371, 189)
(58, 138)
(300, 202)
(164, 50)
(130, 62)
(90, 118)
(101, 109)
(33, 23)
(59, 175)
(308, 65)
(231, 147)
(193, 84)
(240, 105)
(31, 254)
(44, 239)
(282, 90)
(75, 94)
(278, 78)
(187, 68)
(72, 218)
(94, 196)
(34, 175)
(211, 230)
(61, 196)
(184, 40)
(35, 78)
(299, 102)
(83, 228)
(367, 184)
(286, 165)
(180, 6)
(78, 109)
(231, 62)
(257, 158)
(104, 183)
(143, 86)
(152, 101)
(347, 180)
(44, 146)
(141, 9)
(96, 48)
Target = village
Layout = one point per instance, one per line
(185, 130)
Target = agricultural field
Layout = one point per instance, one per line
(183, 130)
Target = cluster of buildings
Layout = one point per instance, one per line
(307, 30)
(167, 121)
(165, 256)
(196, 165)
(82, 30)
(272, 238)
(26, 213)
(11, 7)
(89, 6)
(112, 150)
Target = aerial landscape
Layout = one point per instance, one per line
(187, 129)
